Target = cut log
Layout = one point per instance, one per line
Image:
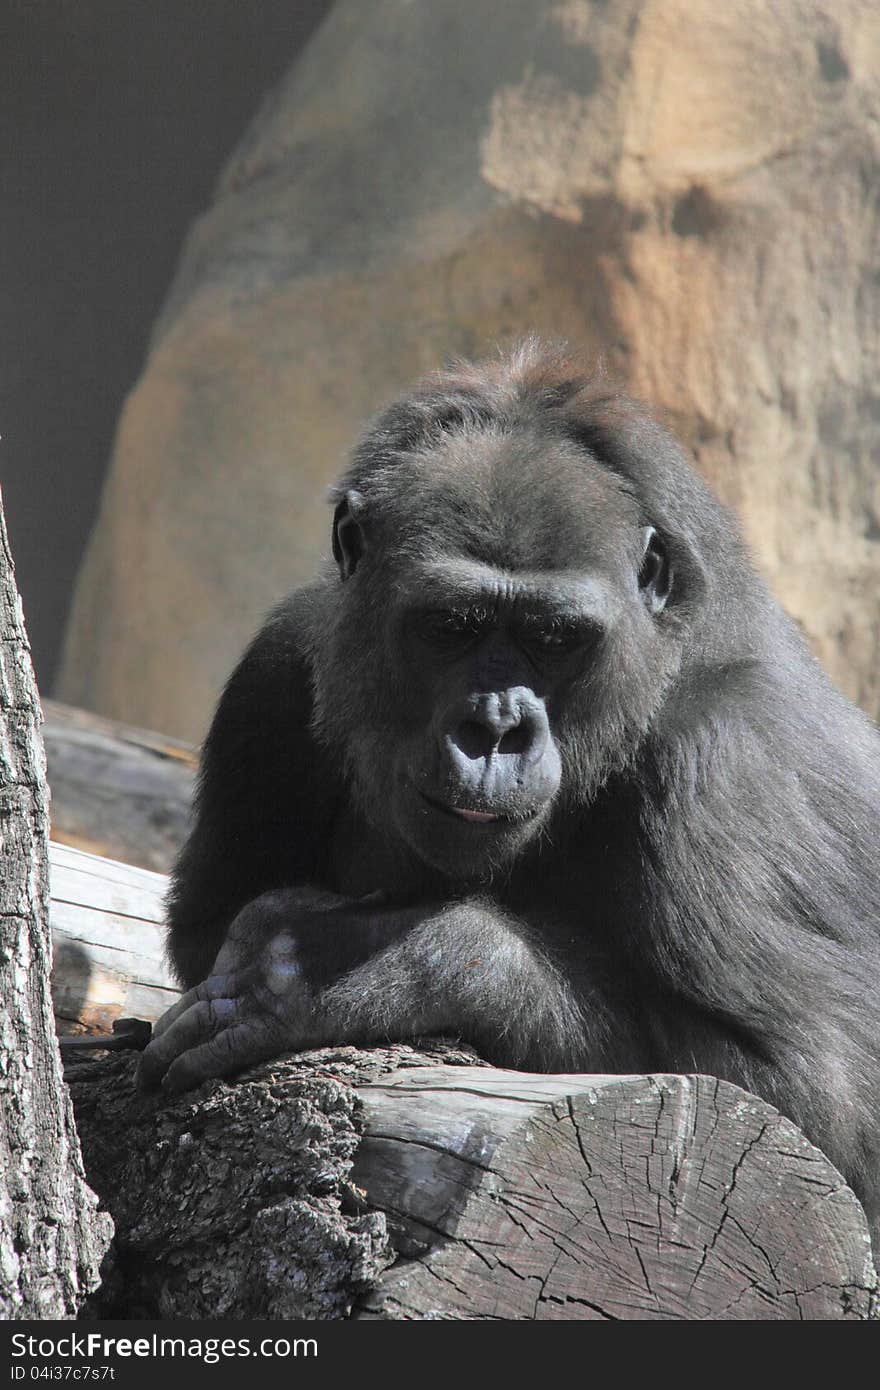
(108, 938)
(117, 791)
(377, 1184)
(603, 1197)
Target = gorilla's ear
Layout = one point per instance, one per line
(655, 571)
(348, 536)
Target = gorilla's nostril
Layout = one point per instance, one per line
(475, 740)
(516, 740)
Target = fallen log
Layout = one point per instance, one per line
(108, 940)
(405, 1183)
(117, 791)
(603, 1197)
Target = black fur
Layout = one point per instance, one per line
(538, 611)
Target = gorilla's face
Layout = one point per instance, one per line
(492, 660)
(505, 602)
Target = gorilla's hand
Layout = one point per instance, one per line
(263, 995)
(304, 969)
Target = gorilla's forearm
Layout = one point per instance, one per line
(301, 968)
(469, 970)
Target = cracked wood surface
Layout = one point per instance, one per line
(520, 1196)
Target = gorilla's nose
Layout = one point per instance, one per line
(510, 722)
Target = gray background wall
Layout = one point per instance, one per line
(116, 117)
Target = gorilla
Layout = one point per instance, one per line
(538, 762)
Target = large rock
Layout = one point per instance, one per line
(686, 188)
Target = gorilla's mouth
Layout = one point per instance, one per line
(461, 812)
(472, 817)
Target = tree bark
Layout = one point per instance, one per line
(402, 1183)
(52, 1239)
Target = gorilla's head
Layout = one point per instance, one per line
(515, 595)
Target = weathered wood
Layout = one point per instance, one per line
(52, 1238)
(233, 1201)
(108, 935)
(506, 1195)
(604, 1197)
(117, 791)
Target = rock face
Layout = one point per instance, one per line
(686, 189)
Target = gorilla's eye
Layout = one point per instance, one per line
(452, 626)
(554, 638)
(558, 636)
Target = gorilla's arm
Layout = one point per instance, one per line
(265, 797)
(303, 969)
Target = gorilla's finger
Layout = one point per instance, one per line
(229, 1051)
(203, 1019)
(219, 986)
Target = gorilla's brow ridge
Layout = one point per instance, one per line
(458, 580)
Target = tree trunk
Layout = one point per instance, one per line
(51, 1237)
(397, 1183)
